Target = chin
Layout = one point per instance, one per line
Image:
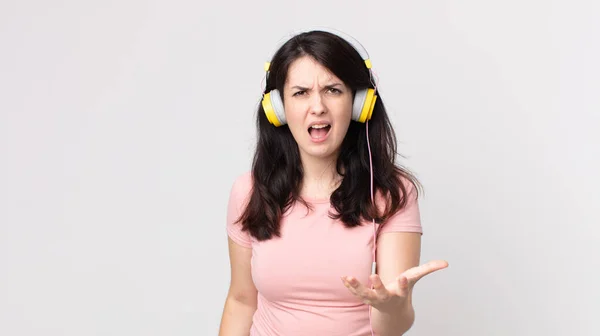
(321, 153)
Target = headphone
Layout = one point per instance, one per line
(364, 99)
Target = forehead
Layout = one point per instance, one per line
(305, 70)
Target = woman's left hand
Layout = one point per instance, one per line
(394, 293)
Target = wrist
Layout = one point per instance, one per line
(393, 318)
(395, 306)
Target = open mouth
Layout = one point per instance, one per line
(319, 132)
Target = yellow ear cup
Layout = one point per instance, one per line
(372, 108)
(368, 106)
(269, 112)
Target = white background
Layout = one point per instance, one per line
(124, 123)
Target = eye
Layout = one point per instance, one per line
(334, 91)
(299, 93)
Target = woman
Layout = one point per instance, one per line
(302, 225)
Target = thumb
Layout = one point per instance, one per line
(402, 281)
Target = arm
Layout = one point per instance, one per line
(396, 253)
(240, 304)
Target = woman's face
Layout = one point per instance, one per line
(318, 108)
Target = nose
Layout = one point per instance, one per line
(317, 105)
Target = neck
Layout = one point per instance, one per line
(320, 177)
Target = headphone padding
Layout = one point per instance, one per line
(277, 105)
(359, 102)
(269, 113)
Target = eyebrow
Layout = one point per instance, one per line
(330, 86)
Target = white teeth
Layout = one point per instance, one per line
(320, 126)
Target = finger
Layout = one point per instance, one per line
(348, 285)
(380, 290)
(403, 282)
(358, 289)
(416, 273)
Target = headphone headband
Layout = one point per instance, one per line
(351, 40)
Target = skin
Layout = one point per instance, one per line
(313, 94)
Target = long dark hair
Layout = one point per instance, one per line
(277, 170)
